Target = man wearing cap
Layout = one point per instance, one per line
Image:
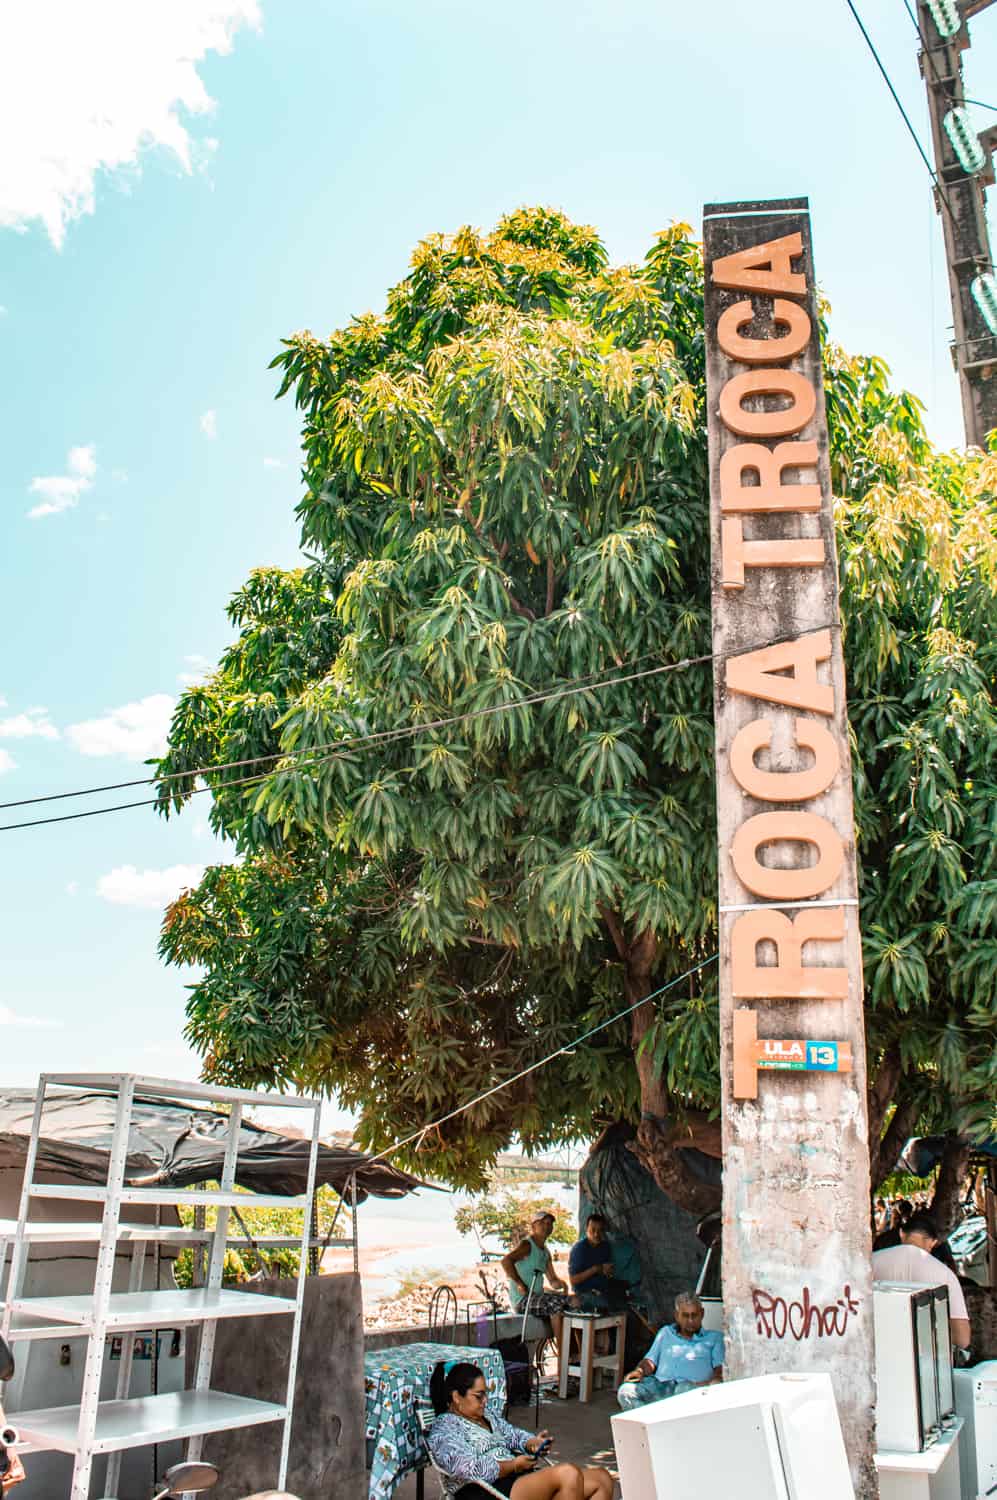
(526, 1268)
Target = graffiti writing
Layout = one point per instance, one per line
(804, 1318)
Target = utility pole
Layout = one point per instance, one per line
(963, 171)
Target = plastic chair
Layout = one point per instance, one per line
(426, 1416)
(443, 1315)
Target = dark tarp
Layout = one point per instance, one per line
(173, 1144)
(922, 1154)
(613, 1182)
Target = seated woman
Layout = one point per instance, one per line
(470, 1441)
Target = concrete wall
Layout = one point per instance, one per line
(327, 1434)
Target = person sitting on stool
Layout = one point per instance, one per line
(683, 1355)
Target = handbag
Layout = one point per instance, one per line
(515, 1355)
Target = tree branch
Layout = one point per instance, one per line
(881, 1092)
(551, 580)
(516, 607)
(897, 1133)
(616, 932)
(955, 1161)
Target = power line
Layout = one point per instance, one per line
(256, 760)
(497, 1088)
(387, 736)
(392, 736)
(929, 55)
(575, 685)
(897, 101)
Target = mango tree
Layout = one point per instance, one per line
(474, 816)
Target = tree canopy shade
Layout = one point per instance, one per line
(506, 497)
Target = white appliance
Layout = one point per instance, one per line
(913, 1365)
(943, 1357)
(976, 1404)
(772, 1437)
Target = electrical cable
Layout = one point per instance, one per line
(929, 54)
(255, 760)
(338, 747)
(906, 118)
(567, 1046)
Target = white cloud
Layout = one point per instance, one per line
(209, 424)
(62, 491)
(86, 89)
(136, 730)
(72, 887)
(23, 726)
(149, 889)
(9, 1017)
(274, 463)
(198, 668)
(7, 762)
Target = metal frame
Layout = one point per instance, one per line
(110, 1427)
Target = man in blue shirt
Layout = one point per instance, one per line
(682, 1356)
(590, 1264)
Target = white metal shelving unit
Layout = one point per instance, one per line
(109, 1427)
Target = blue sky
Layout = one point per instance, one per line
(277, 179)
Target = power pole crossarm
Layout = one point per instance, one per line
(964, 168)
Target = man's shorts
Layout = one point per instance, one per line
(547, 1304)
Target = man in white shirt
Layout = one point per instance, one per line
(912, 1260)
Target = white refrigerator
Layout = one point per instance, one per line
(771, 1437)
(976, 1404)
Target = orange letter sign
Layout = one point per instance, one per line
(769, 494)
(755, 673)
(786, 419)
(787, 827)
(763, 268)
(784, 786)
(786, 979)
(763, 351)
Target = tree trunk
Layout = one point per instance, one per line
(882, 1092)
(884, 1159)
(951, 1175)
(656, 1145)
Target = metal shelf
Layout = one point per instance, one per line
(165, 1309)
(173, 1088)
(144, 1419)
(188, 1197)
(94, 1427)
(87, 1232)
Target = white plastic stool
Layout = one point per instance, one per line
(588, 1325)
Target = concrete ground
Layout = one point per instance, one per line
(582, 1435)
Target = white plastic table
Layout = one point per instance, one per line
(587, 1325)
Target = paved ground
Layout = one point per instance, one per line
(581, 1434)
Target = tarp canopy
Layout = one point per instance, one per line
(923, 1153)
(613, 1182)
(176, 1145)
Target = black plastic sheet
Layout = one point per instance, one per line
(172, 1144)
